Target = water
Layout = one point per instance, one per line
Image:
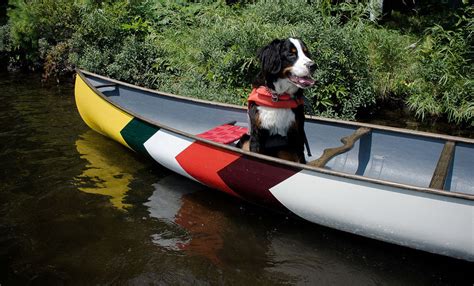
(77, 208)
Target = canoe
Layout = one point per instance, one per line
(410, 188)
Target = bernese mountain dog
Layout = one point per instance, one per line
(276, 105)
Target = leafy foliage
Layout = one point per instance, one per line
(208, 50)
(5, 46)
(51, 20)
(445, 69)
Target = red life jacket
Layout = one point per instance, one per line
(263, 97)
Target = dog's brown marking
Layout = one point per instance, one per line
(285, 72)
(246, 145)
(258, 121)
(286, 155)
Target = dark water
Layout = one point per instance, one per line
(77, 208)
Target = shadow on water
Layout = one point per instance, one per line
(78, 208)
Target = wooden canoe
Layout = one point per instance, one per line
(406, 187)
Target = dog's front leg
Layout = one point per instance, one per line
(300, 118)
(258, 139)
(258, 135)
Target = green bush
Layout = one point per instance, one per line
(431, 60)
(392, 60)
(219, 52)
(343, 82)
(208, 50)
(54, 21)
(5, 47)
(99, 38)
(444, 86)
(140, 62)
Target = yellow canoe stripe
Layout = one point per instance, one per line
(99, 114)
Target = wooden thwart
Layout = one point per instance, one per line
(348, 142)
(441, 172)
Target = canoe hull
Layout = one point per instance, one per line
(420, 220)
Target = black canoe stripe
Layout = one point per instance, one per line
(136, 133)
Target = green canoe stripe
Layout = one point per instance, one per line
(136, 133)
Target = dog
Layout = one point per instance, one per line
(276, 105)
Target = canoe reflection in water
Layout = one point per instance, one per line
(193, 227)
(174, 202)
(104, 175)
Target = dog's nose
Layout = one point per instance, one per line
(311, 66)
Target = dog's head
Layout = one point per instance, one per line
(285, 63)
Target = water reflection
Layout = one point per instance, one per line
(191, 226)
(174, 203)
(104, 173)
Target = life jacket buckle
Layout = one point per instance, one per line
(275, 97)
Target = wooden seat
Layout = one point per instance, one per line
(348, 142)
(441, 172)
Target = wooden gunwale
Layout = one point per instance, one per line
(469, 197)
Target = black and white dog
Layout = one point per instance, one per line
(276, 105)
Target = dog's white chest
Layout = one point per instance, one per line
(276, 120)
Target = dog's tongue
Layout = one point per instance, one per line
(304, 81)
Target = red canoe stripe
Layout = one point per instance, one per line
(203, 162)
(252, 179)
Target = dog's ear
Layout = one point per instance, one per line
(270, 57)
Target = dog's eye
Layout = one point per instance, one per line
(293, 51)
(305, 50)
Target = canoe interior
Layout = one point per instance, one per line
(385, 155)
